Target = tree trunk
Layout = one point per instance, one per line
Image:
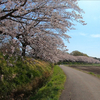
(23, 49)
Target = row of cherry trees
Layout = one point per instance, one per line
(85, 59)
(37, 27)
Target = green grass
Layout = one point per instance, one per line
(52, 90)
(22, 77)
(91, 73)
(30, 79)
(97, 75)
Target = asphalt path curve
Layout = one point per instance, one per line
(80, 85)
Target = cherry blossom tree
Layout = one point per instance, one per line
(10, 48)
(84, 59)
(48, 47)
(39, 23)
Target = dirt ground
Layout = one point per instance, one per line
(94, 69)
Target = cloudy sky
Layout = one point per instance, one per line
(86, 38)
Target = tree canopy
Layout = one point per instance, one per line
(78, 53)
(39, 24)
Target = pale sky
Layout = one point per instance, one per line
(86, 38)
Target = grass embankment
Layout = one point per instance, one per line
(20, 79)
(52, 90)
(23, 79)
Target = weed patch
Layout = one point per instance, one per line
(91, 73)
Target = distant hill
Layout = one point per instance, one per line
(78, 53)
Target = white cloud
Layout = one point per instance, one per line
(95, 35)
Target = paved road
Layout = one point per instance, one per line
(80, 86)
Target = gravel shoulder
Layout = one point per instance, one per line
(80, 86)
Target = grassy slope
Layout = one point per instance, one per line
(52, 90)
(23, 79)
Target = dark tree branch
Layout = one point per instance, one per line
(5, 10)
(18, 35)
(24, 3)
(37, 23)
(23, 27)
(3, 2)
(16, 20)
(9, 14)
